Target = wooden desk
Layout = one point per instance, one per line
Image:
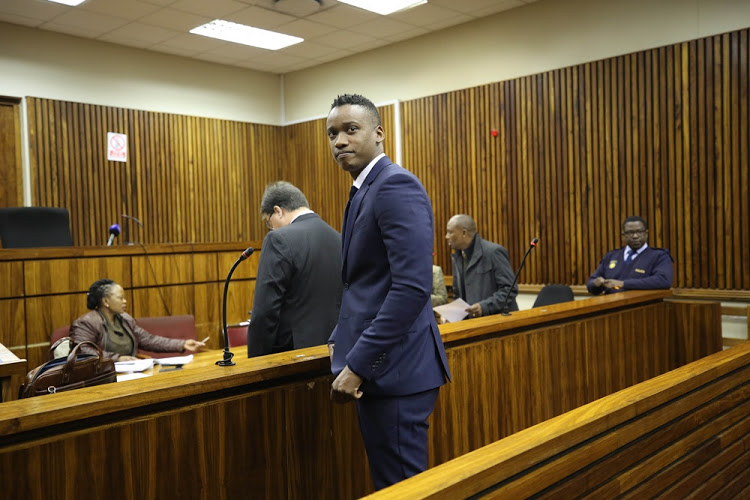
(45, 288)
(266, 426)
(10, 365)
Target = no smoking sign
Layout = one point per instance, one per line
(117, 147)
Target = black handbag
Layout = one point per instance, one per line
(76, 370)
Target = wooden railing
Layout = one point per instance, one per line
(267, 423)
(682, 434)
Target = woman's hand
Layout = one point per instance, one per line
(127, 358)
(191, 345)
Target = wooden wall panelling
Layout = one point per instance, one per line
(662, 133)
(54, 276)
(11, 174)
(162, 269)
(173, 444)
(12, 283)
(207, 312)
(652, 133)
(187, 179)
(542, 373)
(205, 267)
(161, 301)
(697, 326)
(322, 434)
(12, 328)
(44, 315)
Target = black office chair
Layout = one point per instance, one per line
(31, 227)
(553, 294)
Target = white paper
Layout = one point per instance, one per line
(174, 361)
(138, 365)
(130, 376)
(453, 311)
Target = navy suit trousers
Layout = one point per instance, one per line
(395, 451)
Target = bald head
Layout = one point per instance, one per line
(460, 231)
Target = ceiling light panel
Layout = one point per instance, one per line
(246, 35)
(384, 7)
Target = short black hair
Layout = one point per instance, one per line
(100, 289)
(284, 195)
(358, 100)
(635, 218)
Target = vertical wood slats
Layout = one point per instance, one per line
(188, 179)
(662, 133)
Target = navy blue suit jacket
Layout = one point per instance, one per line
(651, 270)
(386, 330)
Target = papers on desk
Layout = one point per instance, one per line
(174, 361)
(453, 311)
(130, 376)
(141, 365)
(137, 365)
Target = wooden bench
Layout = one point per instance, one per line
(683, 433)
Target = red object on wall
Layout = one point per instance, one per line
(493, 132)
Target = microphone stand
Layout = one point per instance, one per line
(127, 236)
(227, 360)
(504, 310)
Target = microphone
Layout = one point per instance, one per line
(504, 309)
(114, 230)
(227, 360)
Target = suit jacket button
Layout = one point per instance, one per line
(346, 286)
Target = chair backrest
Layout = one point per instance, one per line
(553, 294)
(237, 335)
(30, 227)
(174, 327)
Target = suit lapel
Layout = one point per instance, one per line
(355, 206)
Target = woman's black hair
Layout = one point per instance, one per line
(97, 292)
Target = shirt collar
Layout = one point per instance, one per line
(637, 252)
(363, 174)
(304, 212)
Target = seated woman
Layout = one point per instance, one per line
(108, 326)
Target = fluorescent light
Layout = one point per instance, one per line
(246, 35)
(72, 3)
(384, 7)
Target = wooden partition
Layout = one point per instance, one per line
(684, 434)
(46, 288)
(267, 429)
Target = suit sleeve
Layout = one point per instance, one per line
(661, 278)
(503, 273)
(404, 219)
(271, 285)
(599, 272)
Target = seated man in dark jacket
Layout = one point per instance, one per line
(636, 266)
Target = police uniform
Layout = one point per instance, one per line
(651, 269)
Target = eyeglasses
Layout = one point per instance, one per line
(268, 221)
(633, 233)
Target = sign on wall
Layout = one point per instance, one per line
(117, 147)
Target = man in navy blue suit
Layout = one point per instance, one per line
(636, 266)
(386, 350)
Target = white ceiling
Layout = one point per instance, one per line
(331, 30)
